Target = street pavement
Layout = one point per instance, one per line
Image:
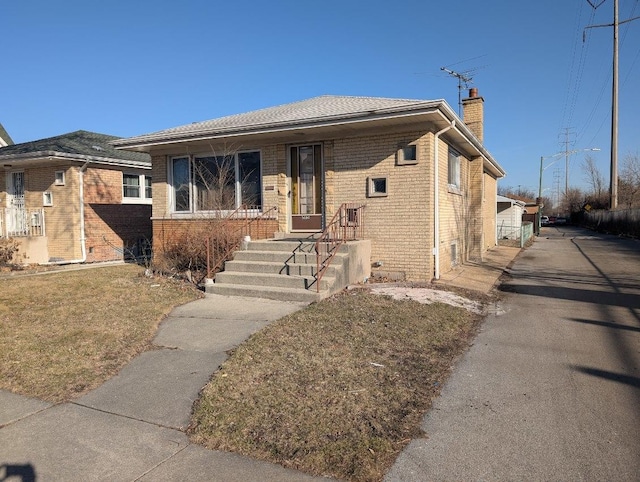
(550, 390)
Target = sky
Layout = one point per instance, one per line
(126, 68)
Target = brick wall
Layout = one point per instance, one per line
(400, 225)
(62, 220)
(489, 215)
(112, 227)
(453, 212)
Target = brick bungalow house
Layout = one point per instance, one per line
(427, 181)
(74, 198)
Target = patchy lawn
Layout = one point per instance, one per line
(62, 334)
(337, 389)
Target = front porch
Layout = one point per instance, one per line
(27, 228)
(21, 222)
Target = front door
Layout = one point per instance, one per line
(306, 188)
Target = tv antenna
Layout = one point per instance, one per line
(463, 77)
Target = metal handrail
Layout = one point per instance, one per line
(347, 224)
(238, 232)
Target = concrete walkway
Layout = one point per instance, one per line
(132, 427)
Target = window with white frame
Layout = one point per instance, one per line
(212, 182)
(136, 188)
(453, 178)
(59, 178)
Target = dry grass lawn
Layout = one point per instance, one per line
(62, 334)
(337, 389)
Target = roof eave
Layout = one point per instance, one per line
(489, 162)
(54, 155)
(276, 127)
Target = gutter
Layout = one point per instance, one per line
(83, 247)
(178, 134)
(63, 156)
(470, 137)
(436, 200)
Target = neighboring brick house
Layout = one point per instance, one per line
(307, 158)
(74, 198)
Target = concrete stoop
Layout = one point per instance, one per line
(280, 270)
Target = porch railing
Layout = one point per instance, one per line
(230, 230)
(347, 224)
(20, 222)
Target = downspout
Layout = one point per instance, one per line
(436, 202)
(83, 248)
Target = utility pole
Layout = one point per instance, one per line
(613, 180)
(613, 176)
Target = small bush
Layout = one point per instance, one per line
(185, 251)
(8, 248)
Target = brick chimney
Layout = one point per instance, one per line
(473, 113)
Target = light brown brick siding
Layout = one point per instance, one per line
(399, 225)
(62, 220)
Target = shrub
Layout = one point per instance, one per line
(8, 248)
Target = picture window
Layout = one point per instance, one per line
(212, 182)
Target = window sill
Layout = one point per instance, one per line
(136, 200)
(240, 214)
(454, 190)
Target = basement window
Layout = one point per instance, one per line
(377, 186)
(454, 253)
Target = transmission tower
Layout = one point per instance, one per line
(569, 141)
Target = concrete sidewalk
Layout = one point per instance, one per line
(133, 426)
(482, 275)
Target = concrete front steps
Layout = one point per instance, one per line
(283, 270)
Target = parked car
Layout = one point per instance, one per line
(561, 220)
(544, 220)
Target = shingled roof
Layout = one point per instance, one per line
(328, 113)
(78, 145)
(314, 111)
